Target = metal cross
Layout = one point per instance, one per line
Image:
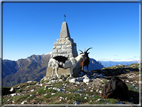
(64, 17)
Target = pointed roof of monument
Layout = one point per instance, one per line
(64, 31)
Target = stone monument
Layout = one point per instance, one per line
(64, 46)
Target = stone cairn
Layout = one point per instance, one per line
(64, 46)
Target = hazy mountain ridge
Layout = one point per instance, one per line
(113, 63)
(32, 68)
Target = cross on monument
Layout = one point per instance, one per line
(64, 17)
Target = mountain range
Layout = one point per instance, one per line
(113, 63)
(22, 70)
(32, 68)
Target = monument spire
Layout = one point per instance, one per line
(64, 33)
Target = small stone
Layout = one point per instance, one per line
(98, 100)
(40, 85)
(77, 82)
(53, 93)
(23, 102)
(100, 91)
(12, 89)
(91, 90)
(97, 90)
(13, 94)
(85, 97)
(27, 86)
(72, 80)
(61, 97)
(76, 102)
(18, 86)
(37, 83)
(29, 81)
(136, 87)
(32, 90)
(45, 94)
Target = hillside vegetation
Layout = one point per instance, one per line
(64, 91)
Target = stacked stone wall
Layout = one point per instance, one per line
(64, 47)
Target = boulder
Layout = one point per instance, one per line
(61, 71)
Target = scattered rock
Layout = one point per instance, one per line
(29, 81)
(73, 80)
(24, 102)
(63, 90)
(76, 102)
(97, 90)
(45, 94)
(32, 90)
(98, 100)
(13, 89)
(40, 84)
(100, 91)
(53, 93)
(13, 94)
(28, 86)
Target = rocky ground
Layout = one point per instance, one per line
(85, 89)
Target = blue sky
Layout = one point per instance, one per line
(112, 29)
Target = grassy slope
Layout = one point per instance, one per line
(44, 95)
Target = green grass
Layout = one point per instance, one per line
(48, 96)
(20, 90)
(15, 97)
(51, 90)
(132, 88)
(30, 98)
(59, 85)
(22, 98)
(41, 90)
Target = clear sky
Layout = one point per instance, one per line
(112, 29)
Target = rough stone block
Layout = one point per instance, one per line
(58, 47)
(62, 52)
(54, 51)
(66, 47)
(62, 71)
(54, 47)
(68, 42)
